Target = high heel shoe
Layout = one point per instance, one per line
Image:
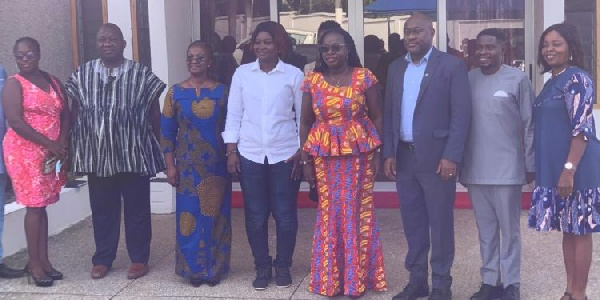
(39, 282)
(212, 282)
(55, 274)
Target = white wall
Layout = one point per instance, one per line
(119, 13)
(171, 32)
(179, 36)
(73, 206)
(158, 38)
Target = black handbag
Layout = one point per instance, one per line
(312, 194)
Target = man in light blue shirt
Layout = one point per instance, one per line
(412, 85)
(5, 272)
(426, 121)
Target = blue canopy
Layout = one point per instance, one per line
(399, 7)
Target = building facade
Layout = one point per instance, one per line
(158, 31)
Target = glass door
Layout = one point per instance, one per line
(466, 18)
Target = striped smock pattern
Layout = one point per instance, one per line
(113, 133)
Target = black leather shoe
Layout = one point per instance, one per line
(6, 272)
(488, 292)
(412, 292)
(441, 294)
(511, 292)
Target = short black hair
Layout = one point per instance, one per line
(204, 45)
(495, 32)
(329, 24)
(278, 33)
(113, 27)
(571, 35)
(29, 40)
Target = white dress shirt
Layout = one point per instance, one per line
(263, 112)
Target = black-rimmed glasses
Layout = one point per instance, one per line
(335, 48)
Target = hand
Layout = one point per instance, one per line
(529, 177)
(172, 176)
(233, 164)
(309, 174)
(565, 183)
(446, 169)
(389, 168)
(376, 163)
(57, 150)
(66, 165)
(296, 170)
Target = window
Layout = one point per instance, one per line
(141, 37)
(301, 19)
(234, 18)
(89, 16)
(466, 18)
(582, 14)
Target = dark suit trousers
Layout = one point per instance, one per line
(105, 201)
(426, 203)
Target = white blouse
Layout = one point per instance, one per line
(263, 112)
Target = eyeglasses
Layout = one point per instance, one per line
(29, 56)
(335, 48)
(198, 58)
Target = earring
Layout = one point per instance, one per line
(570, 57)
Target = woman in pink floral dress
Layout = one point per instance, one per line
(38, 116)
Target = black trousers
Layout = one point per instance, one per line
(105, 201)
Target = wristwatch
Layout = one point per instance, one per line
(569, 166)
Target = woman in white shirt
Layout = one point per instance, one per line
(261, 133)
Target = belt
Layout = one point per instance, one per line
(409, 145)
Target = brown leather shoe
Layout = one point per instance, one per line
(99, 271)
(137, 270)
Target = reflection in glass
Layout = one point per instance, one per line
(384, 33)
(301, 19)
(581, 13)
(466, 18)
(227, 25)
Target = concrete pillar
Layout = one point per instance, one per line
(171, 31)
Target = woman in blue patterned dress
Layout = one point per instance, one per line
(567, 195)
(192, 121)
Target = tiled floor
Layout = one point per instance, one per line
(542, 268)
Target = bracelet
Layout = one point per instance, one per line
(230, 152)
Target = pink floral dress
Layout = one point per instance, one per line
(23, 158)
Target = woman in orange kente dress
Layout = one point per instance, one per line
(38, 116)
(340, 126)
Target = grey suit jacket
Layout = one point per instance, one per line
(442, 115)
